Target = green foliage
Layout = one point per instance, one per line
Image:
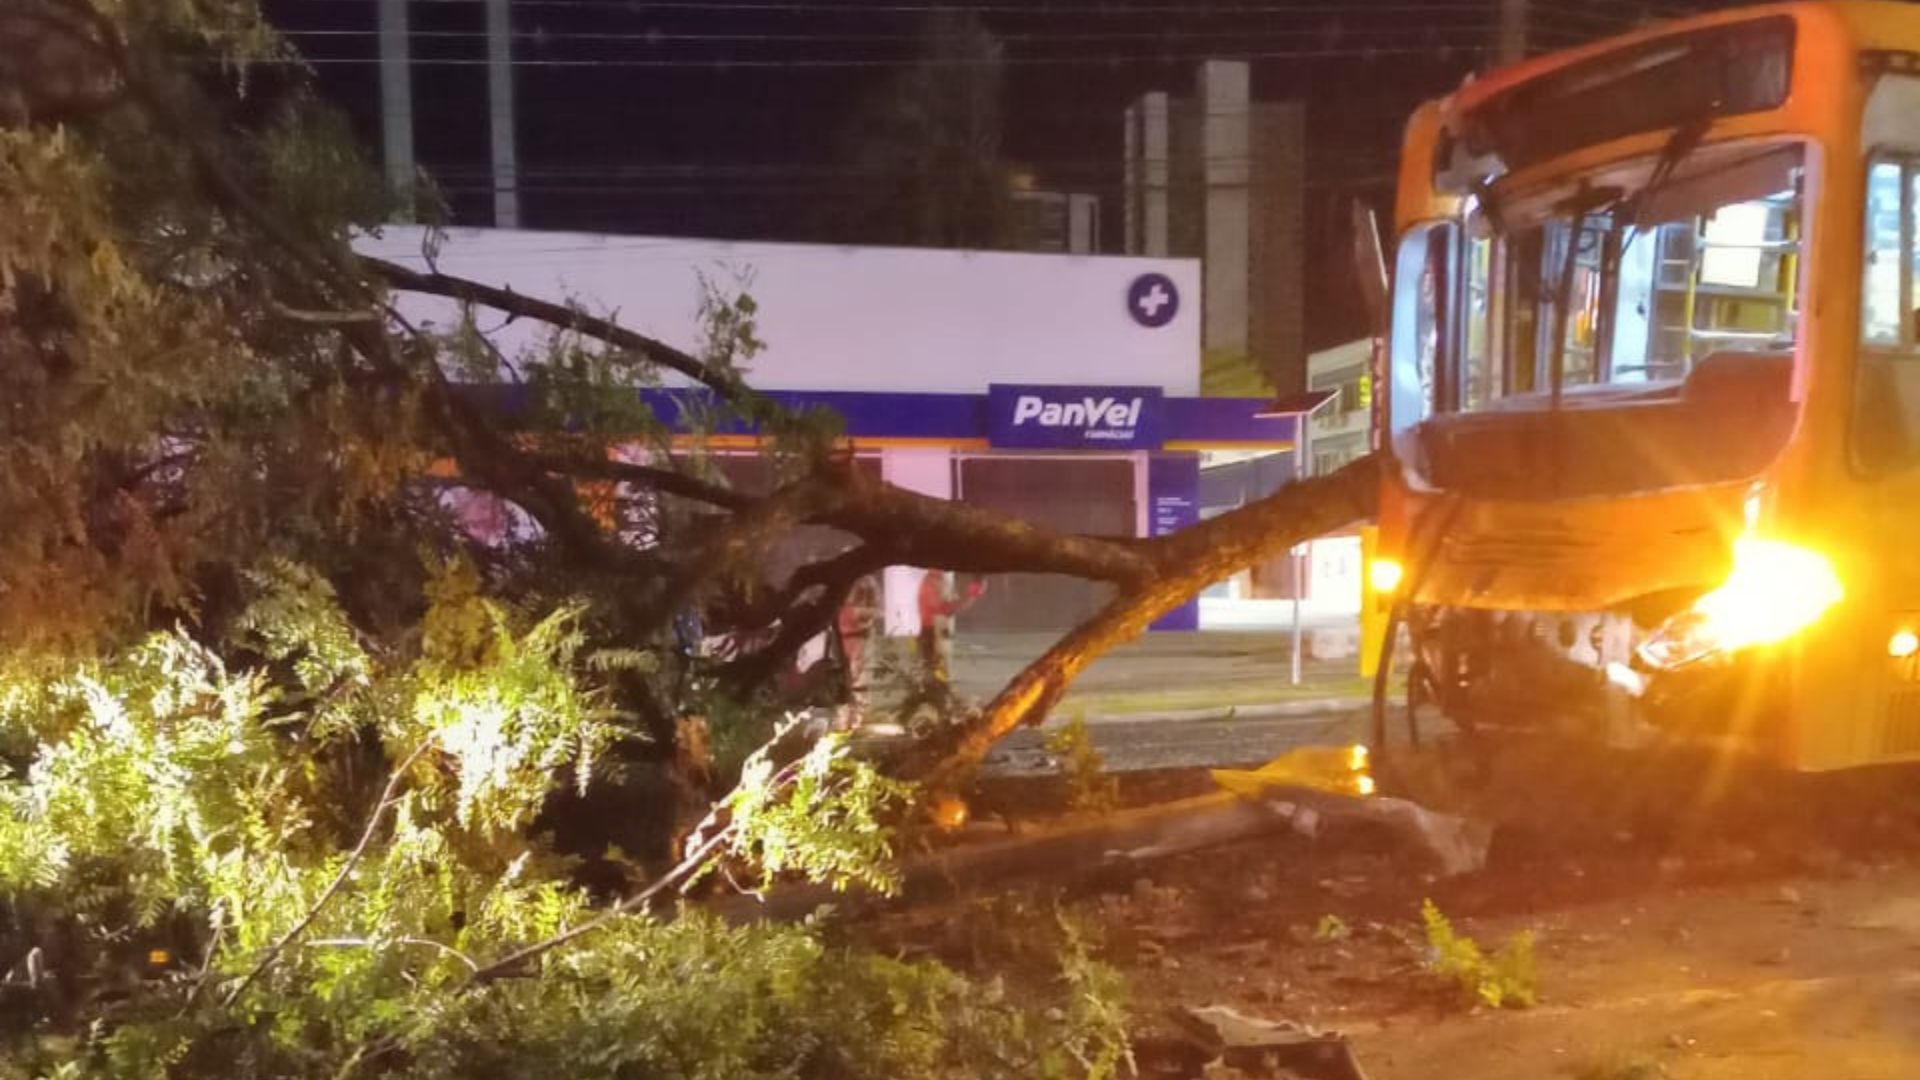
(820, 816)
(698, 1000)
(232, 29)
(96, 355)
(1096, 1037)
(176, 797)
(1504, 980)
(1089, 786)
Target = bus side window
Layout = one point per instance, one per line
(1886, 419)
(1421, 335)
(1883, 298)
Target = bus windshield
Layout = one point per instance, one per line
(1627, 280)
(1629, 328)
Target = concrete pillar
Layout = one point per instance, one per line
(929, 472)
(1147, 176)
(506, 169)
(1130, 181)
(1226, 166)
(396, 103)
(1510, 35)
(1083, 224)
(1276, 332)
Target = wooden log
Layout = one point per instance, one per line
(1111, 845)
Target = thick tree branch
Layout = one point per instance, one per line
(434, 283)
(918, 530)
(924, 531)
(1186, 562)
(733, 542)
(833, 580)
(325, 318)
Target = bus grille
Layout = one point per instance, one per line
(1525, 548)
(1901, 734)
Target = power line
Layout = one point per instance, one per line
(837, 188)
(651, 37)
(828, 171)
(1113, 9)
(1433, 50)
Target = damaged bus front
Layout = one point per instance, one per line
(1648, 404)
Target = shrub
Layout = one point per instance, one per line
(293, 855)
(1504, 980)
(1089, 786)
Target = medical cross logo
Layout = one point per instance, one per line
(1153, 300)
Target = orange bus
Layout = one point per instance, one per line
(1652, 400)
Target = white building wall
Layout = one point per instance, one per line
(929, 472)
(849, 318)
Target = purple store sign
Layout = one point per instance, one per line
(1074, 417)
(1173, 503)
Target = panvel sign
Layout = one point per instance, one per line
(1074, 417)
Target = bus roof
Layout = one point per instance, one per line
(1824, 35)
(1867, 24)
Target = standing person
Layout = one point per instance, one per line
(859, 620)
(940, 601)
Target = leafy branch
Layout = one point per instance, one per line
(389, 797)
(818, 815)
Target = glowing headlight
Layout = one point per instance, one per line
(1384, 575)
(1775, 591)
(1902, 644)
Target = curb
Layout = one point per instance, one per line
(1276, 711)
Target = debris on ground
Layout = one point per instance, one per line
(1315, 788)
(1255, 1047)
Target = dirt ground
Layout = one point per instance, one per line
(1691, 924)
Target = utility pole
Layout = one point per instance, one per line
(1510, 42)
(506, 171)
(396, 103)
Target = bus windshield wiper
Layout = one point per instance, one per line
(1626, 207)
(1581, 205)
(1679, 146)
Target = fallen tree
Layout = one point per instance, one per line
(281, 728)
(285, 303)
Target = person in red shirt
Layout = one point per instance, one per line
(859, 622)
(940, 601)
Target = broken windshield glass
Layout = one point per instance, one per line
(1606, 289)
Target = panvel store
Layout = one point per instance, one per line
(1059, 389)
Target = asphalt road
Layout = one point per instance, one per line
(1247, 738)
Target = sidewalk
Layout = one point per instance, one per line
(1172, 677)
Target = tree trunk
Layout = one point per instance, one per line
(1121, 844)
(1184, 563)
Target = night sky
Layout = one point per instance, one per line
(721, 117)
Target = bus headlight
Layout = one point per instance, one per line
(1384, 576)
(1775, 591)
